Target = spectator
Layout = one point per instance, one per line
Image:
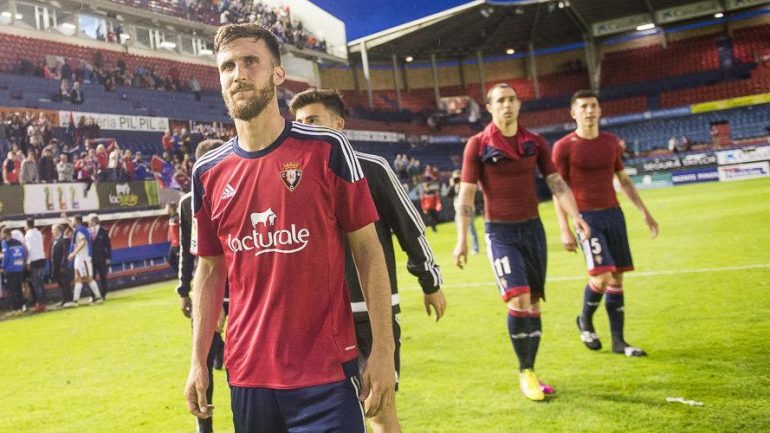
(14, 255)
(66, 71)
(129, 166)
(36, 262)
(102, 253)
(11, 169)
(102, 162)
(60, 270)
(114, 164)
(64, 169)
(29, 172)
(16, 131)
(167, 142)
(141, 167)
(64, 91)
(430, 201)
(46, 167)
(77, 96)
(195, 87)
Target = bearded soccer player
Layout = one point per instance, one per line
(502, 159)
(588, 159)
(270, 211)
(324, 107)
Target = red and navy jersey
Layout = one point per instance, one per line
(279, 216)
(588, 167)
(508, 185)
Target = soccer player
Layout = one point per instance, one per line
(502, 159)
(186, 269)
(397, 216)
(80, 254)
(270, 211)
(588, 159)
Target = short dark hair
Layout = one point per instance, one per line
(206, 145)
(499, 86)
(30, 222)
(78, 219)
(330, 98)
(231, 32)
(583, 93)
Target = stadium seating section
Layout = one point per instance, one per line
(14, 48)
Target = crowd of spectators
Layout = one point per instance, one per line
(73, 72)
(277, 19)
(218, 12)
(33, 155)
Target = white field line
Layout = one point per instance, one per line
(635, 274)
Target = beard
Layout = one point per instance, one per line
(249, 108)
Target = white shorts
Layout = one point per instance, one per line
(83, 267)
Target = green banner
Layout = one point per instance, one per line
(11, 200)
(127, 194)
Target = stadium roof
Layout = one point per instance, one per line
(492, 27)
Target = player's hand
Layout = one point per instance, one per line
(438, 301)
(378, 380)
(651, 224)
(107, 261)
(568, 240)
(185, 304)
(221, 321)
(70, 257)
(461, 254)
(195, 392)
(582, 226)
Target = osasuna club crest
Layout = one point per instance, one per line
(291, 175)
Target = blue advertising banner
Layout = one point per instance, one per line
(696, 175)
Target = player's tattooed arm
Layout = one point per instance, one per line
(557, 185)
(465, 210)
(563, 194)
(465, 213)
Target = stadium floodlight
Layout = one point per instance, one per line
(409, 59)
(719, 15)
(168, 45)
(6, 14)
(124, 37)
(510, 51)
(205, 52)
(648, 26)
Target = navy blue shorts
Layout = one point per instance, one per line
(364, 340)
(518, 254)
(607, 249)
(332, 407)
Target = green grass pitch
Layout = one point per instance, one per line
(698, 303)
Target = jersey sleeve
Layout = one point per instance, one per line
(471, 161)
(560, 159)
(185, 257)
(353, 205)
(203, 234)
(618, 155)
(398, 212)
(544, 162)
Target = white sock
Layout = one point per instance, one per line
(78, 289)
(95, 289)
